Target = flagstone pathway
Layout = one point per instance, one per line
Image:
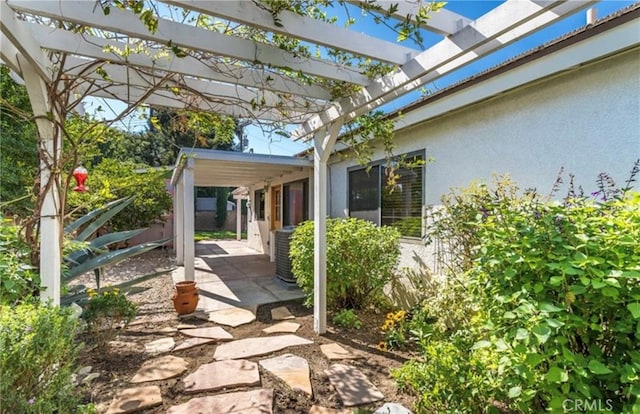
(231, 368)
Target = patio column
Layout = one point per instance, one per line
(189, 220)
(323, 142)
(50, 149)
(178, 220)
(238, 217)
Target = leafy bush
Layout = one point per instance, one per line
(37, 359)
(361, 258)
(18, 280)
(449, 379)
(347, 318)
(106, 312)
(557, 290)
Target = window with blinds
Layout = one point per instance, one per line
(397, 204)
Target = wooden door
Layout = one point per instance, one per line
(276, 207)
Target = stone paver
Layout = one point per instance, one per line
(281, 313)
(160, 345)
(334, 351)
(168, 330)
(232, 317)
(392, 408)
(282, 327)
(135, 399)
(352, 385)
(212, 332)
(249, 402)
(157, 369)
(292, 369)
(222, 374)
(123, 346)
(249, 347)
(316, 409)
(185, 326)
(191, 342)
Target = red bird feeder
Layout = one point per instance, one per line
(80, 174)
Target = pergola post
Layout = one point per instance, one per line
(323, 141)
(50, 149)
(189, 220)
(178, 220)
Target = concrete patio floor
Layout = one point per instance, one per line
(229, 274)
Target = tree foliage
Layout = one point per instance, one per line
(18, 143)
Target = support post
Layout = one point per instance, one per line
(50, 149)
(238, 218)
(189, 221)
(323, 140)
(178, 220)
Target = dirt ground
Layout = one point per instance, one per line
(155, 312)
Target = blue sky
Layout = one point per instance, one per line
(278, 145)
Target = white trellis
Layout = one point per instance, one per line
(236, 76)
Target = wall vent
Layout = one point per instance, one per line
(283, 262)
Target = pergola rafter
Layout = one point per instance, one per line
(64, 41)
(304, 28)
(238, 73)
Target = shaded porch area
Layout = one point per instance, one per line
(229, 274)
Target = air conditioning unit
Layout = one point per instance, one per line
(283, 262)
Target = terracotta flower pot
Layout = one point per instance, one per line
(185, 298)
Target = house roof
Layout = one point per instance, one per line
(606, 23)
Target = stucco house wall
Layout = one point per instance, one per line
(586, 120)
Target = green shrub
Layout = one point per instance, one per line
(555, 289)
(37, 359)
(347, 318)
(18, 280)
(361, 258)
(448, 379)
(106, 312)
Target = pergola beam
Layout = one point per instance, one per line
(499, 27)
(444, 22)
(22, 41)
(213, 90)
(94, 47)
(165, 97)
(189, 37)
(302, 27)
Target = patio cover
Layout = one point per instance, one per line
(211, 168)
(68, 46)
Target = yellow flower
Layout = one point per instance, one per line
(387, 325)
(382, 345)
(399, 315)
(390, 315)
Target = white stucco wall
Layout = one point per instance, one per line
(586, 120)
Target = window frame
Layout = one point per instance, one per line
(381, 163)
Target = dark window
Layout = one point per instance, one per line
(295, 202)
(259, 204)
(398, 204)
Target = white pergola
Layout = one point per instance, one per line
(56, 43)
